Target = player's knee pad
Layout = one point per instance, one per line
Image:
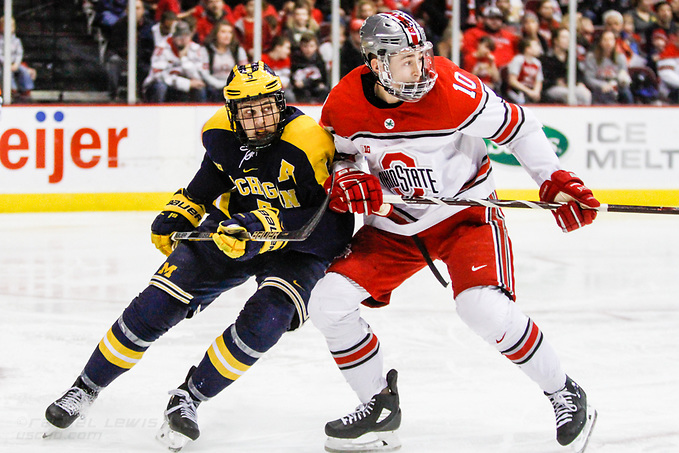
(491, 315)
(153, 313)
(266, 316)
(335, 300)
(294, 295)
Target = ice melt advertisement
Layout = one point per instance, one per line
(609, 148)
(77, 150)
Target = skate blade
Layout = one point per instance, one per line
(172, 440)
(580, 443)
(367, 443)
(50, 430)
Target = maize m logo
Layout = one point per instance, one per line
(502, 156)
(86, 147)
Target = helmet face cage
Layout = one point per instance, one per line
(244, 120)
(247, 84)
(385, 35)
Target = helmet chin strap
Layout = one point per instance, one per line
(384, 73)
(378, 83)
(391, 91)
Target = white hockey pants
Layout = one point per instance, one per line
(334, 308)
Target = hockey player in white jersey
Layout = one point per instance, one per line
(417, 126)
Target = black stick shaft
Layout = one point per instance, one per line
(395, 199)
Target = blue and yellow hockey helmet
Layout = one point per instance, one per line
(252, 82)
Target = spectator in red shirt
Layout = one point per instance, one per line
(316, 13)
(492, 25)
(658, 44)
(665, 22)
(206, 18)
(268, 11)
(245, 27)
(278, 59)
(482, 63)
(174, 6)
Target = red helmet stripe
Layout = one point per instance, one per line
(409, 27)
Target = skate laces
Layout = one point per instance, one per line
(74, 400)
(186, 406)
(562, 401)
(361, 412)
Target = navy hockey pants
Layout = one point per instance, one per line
(193, 276)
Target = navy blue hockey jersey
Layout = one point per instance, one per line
(289, 175)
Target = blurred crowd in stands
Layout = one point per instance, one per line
(627, 50)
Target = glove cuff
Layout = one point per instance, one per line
(264, 219)
(182, 204)
(560, 181)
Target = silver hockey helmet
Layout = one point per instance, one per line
(386, 35)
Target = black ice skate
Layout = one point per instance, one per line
(574, 417)
(371, 428)
(181, 420)
(71, 405)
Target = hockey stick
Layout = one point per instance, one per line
(632, 209)
(286, 236)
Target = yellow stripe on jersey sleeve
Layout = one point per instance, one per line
(223, 203)
(304, 133)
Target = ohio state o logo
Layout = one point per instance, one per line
(396, 174)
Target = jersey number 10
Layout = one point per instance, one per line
(467, 85)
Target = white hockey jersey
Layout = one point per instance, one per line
(433, 147)
(177, 71)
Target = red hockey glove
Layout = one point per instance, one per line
(354, 191)
(565, 187)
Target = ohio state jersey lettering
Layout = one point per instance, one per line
(404, 177)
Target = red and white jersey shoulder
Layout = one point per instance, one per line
(433, 147)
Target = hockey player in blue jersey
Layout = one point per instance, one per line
(266, 163)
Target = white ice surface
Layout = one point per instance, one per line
(606, 298)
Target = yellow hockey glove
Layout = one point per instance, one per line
(180, 214)
(265, 219)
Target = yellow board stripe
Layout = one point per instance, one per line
(76, 202)
(641, 197)
(118, 354)
(222, 359)
(155, 201)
